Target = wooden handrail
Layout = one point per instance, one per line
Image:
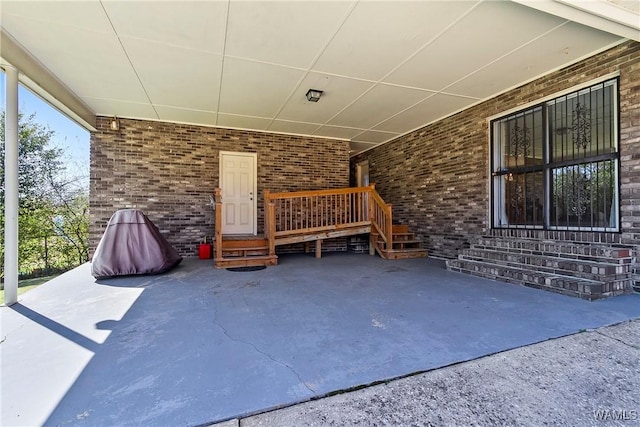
(295, 194)
(381, 215)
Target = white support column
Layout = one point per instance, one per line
(11, 187)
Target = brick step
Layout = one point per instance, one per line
(594, 252)
(566, 285)
(552, 271)
(568, 265)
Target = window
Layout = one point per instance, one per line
(555, 165)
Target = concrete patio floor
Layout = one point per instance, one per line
(199, 345)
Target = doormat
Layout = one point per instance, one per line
(255, 268)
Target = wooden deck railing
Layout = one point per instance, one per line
(318, 214)
(308, 212)
(354, 209)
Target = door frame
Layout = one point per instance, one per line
(254, 156)
(360, 176)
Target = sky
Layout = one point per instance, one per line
(72, 138)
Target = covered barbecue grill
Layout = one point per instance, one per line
(132, 244)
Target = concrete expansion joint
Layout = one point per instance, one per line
(279, 362)
(636, 347)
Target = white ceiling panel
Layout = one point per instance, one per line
(481, 37)
(176, 76)
(386, 67)
(87, 15)
(389, 27)
(192, 24)
(288, 33)
(532, 60)
(243, 122)
(256, 89)
(378, 104)
(92, 63)
(425, 112)
(338, 93)
(293, 127)
(114, 107)
(171, 114)
(338, 132)
(373, 136)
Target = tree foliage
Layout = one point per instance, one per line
(53, 217)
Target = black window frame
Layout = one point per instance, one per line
(549, 165)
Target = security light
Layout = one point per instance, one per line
(313, 95)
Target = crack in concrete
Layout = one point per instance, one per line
(617, 339)
(281, 363)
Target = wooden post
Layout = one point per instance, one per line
(372, 188)
(218, 229)
(389, 227)
(270, 222)
(372, 249)
(370, 216)
(319, 248)
(267, 216)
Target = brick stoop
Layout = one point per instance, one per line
(635, 276)
(585, 270)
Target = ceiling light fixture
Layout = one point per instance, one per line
(114, 124)
(313, 95)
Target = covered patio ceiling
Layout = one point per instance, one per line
(386, 67)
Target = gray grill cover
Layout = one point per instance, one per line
(132, 244)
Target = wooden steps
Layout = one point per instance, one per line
(309, 217)
(248, 261)
(403, 244)
(244, 251)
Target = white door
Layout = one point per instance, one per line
(238, 184)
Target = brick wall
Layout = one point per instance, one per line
(170, 170)
(437, 177)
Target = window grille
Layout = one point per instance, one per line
(555, 165)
